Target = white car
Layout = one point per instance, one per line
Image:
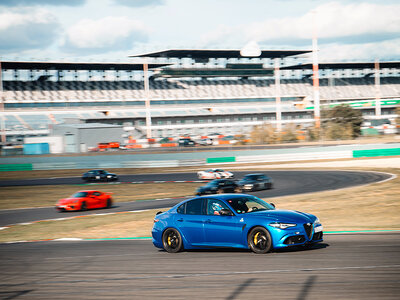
(214, 174)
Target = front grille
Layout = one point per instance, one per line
(308, 229)
(317, 236)
(296, 239)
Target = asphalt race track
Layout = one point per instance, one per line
(363, 266)
(285, 183)
(344, 266)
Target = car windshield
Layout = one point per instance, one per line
(251, 177)
(249, 204)
(79, 195)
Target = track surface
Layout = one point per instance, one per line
(285, 183)
(363, 266)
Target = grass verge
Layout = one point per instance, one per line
(372, 207)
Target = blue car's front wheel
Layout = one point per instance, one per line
(172, 240)
(259, 240)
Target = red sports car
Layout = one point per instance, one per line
(84, 200)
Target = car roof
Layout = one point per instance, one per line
(87, 191)
(255, 174)
(224, 197)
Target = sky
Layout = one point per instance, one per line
(112, 30)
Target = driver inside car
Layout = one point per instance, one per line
(215, 208)
(239, 206)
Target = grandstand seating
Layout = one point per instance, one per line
(81, 91)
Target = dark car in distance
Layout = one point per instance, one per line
(186, 143)
(219, 186)
(99, 175)
(255, 182)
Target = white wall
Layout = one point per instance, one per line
(56, 143)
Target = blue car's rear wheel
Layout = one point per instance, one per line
(172, 240)
(259, 240)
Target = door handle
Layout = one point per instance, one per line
(207, 221)
(180, 220)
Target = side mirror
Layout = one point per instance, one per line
(225, 212)
(272, 204)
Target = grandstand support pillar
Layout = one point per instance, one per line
(377, 90)
(147, 100)
(317, 112)
(2, 121)
(277, 74)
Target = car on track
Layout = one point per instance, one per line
(186, 143)
(219, 186)
(255, 182)
(83, 200)
(99, 175)
(233, 220)
(214, 174)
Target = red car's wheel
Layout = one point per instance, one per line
(108, 203)
(83, 206)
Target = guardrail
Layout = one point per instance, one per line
(200, 162)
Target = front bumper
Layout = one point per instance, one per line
(297, 236)
(68, 207)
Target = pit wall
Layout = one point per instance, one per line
(286, 157)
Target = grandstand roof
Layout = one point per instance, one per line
(349, 65)
(205, 54)
(27, 65)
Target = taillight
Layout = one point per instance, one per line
(156, 220)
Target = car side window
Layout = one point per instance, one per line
(214, 206)
(194, 207)
(96, 193)
(181, 208)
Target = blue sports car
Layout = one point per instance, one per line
(233, 220)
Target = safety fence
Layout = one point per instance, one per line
(287, 157)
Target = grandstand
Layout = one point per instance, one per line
(192, 92)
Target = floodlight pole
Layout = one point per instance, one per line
(278, 95)
(147, 99)
(317, 113)
(378, 90)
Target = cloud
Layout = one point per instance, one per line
(26, 30)
(364, 22)
(350, 23)
(139, 3)
(41, 2)
(104, 35)
(384, 51)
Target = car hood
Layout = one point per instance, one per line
(206, 187)
(281, 215)
(69, 200)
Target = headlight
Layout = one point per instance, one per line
(282, 225)
(317, 222)
(248, 185)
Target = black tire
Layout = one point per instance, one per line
(83, 206)
(238, 189)
(259, 240)
(172, 240)
(109, 203)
